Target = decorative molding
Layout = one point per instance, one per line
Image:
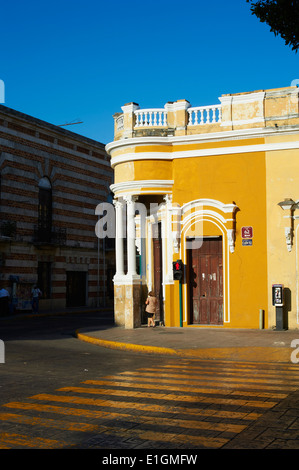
(137, 186)
(288, 231)
(209, 213)
(268, 147)
(226, 208)
(203, 138)
(231, 240)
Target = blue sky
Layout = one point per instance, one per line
(82, 60)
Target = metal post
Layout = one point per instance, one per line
(279, 319)
(181, 307)
(104, 261)
(98, 275)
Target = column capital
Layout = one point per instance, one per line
(168, 199)
(118, 203)
(130, 199)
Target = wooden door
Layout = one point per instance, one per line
(206, 282)
(157, 249)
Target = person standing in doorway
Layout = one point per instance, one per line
(35, 294)
(151, 304)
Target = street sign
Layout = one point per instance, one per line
(247, 232)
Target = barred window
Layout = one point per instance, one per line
(44, 209)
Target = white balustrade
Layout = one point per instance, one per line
(204, 115)
(156, 117)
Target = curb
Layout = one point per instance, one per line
(246, 354)
(125, 346)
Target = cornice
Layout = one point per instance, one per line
(139, 185)
(268, 147)
(202, 138)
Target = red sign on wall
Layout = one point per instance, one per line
(247, 232)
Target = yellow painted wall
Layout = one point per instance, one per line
(282, 182)
(255, 182)
(239, 179)
(124, 172)
(153, 170)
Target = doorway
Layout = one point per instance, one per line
(157, 249)
(206, 281)
(76, 288)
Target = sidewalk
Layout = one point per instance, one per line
(198, 343)
(205, 343)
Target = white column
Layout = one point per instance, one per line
(119, 238)
(131, 249)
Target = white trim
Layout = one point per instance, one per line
(202, 138)
(226, 208)
(126, 280)
(149, 261)
(297, 275)
(225, 249)
(141, 184)
(269, 147)
(201, 215)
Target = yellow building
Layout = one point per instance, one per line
(203, 185)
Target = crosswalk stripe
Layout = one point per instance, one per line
(144, 434)
(154, 395)
(49, 423)
(192, 382)
(187, 403)
(154, 408)
(202, 377)
(264, 373)
(263, 368)
(83, 427)
(36, 442)
(179, 388)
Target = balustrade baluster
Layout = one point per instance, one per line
(197, 116)
(214, 115)
(202, 116)
(208, 115)
(160, 118)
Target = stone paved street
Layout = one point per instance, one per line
(60, 392)
(184, 405)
